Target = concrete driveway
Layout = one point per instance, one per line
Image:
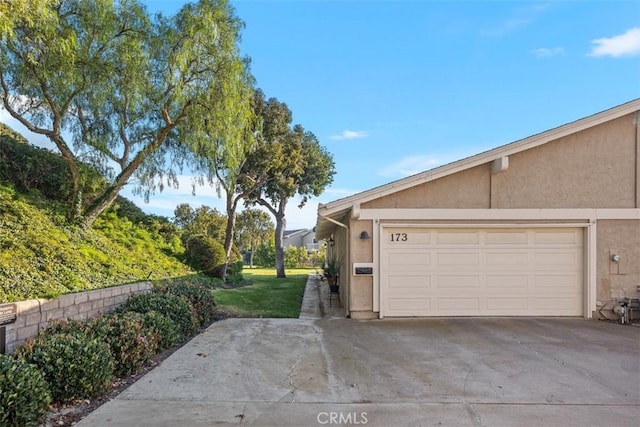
(440, 372)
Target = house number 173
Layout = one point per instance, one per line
(398, 237)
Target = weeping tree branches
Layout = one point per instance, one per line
(110, 85)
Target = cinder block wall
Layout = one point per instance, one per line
(36, 314)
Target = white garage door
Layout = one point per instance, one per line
(481, 272)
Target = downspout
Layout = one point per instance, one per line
(636, 122)
(339, 224)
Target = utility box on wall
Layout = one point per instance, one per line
(363, 269)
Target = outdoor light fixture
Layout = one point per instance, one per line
(331, 241)
(615, 258)
(364, 235)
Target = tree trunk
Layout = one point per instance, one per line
(232, 204)
(280, 226)
(110, 193)
(281, 223)
(99, 206)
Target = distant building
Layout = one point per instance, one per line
(301, 238)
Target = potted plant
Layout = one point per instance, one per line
(332, 271)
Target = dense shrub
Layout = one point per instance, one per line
(205, 254)
(198, 296)
(172, 306)
(130, 343)
(165, 330)
(235, 267)
(24, 394)
(265, 255)
(74, 364)
(32, 168)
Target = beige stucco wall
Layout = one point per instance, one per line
(466, 189)
(622, 279)
(595, 168)
(361, 289)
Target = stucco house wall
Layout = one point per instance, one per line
(589, 177)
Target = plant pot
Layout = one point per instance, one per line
(334, 288)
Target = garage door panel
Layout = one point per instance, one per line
(458, 259)
(553, 306)
(507, 237)
(409, 306)
(507, 305)
(398, 260)
(507, 260)
(459, 283)
(409, 283)
(483, 272)
(556, 283)
(458, 306)
(457, 238)
(571, 237)
(510, 282)
(555, 260)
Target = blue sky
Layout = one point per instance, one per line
(392, 88)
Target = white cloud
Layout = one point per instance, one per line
(350, 134)
(626, 44)
(520, 17)
(409, 166)
(545, 52)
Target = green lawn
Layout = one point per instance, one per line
(267, 296)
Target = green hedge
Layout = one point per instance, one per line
(24, 394)
(74, 364)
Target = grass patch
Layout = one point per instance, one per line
(268, 296)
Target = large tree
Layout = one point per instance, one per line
(254, 227)
(204, 221)
(138, 95)
(296, 164)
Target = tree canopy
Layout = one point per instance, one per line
(294, 163)
(254, 227)
(140, 95)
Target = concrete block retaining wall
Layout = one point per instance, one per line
(36, 314)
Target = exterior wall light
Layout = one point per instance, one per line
(615, 258)
(331, 241)
(364, 235)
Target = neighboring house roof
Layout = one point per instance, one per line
(337, 208)
(289, 233)
(303, 231)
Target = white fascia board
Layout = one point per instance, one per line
(499, 214)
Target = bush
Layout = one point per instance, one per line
(205, 254)
(265, 255)
(24, 394)
(235, 267)
(198, 296)
(172, 306)
(130, 343)
(74, 364)
(165, 329)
